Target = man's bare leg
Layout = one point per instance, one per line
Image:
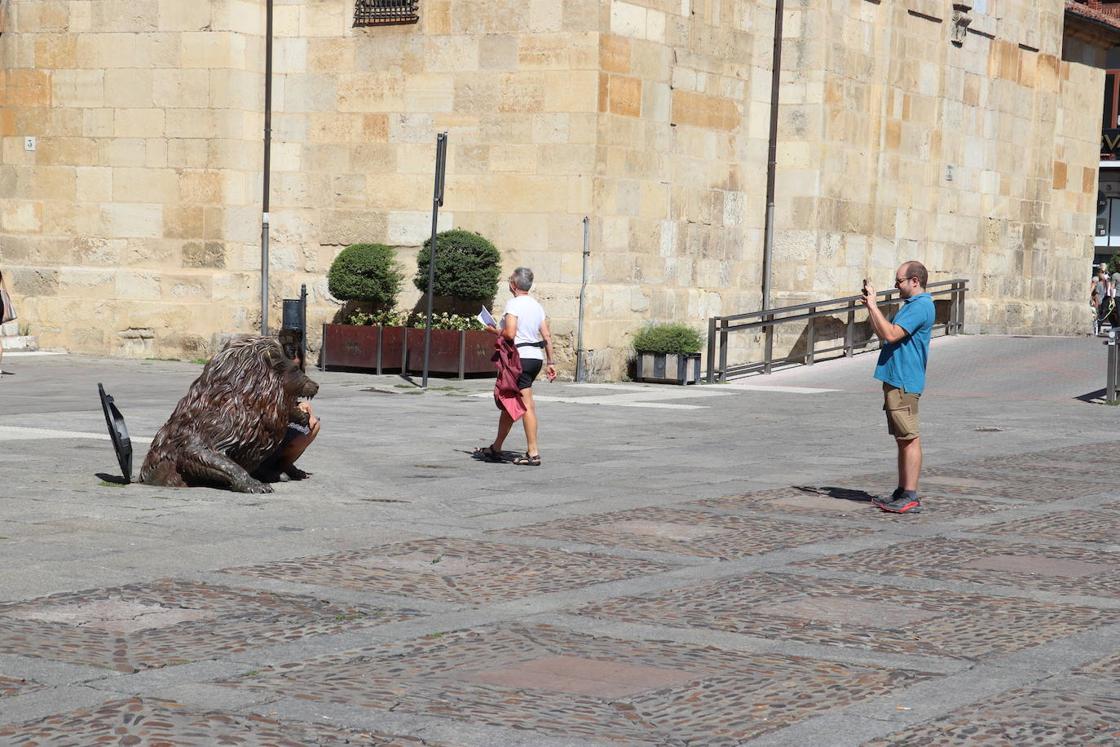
(909, 462)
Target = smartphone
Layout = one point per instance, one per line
(864, 289)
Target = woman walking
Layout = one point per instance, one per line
(525, 326)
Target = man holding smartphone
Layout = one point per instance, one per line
(902, 369)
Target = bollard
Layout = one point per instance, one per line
(1110, 385)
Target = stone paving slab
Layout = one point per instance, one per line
(684, 532)
(1022, 716)
(554, 681)
(858, 615)
(168, 622)
(1068, 570)
(965, 480)
(454, 570)
(1100, 525)
(655, 582)
(846, 503)
(147, 721)
(10, 686)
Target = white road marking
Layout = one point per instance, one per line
(29, 353)
(19, 433)
(782, 389)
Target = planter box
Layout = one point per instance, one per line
(401, 349)
(663, 368)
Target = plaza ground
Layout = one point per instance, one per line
(689, 566)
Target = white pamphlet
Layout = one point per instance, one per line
(485, 317)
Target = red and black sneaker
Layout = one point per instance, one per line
(904, 503)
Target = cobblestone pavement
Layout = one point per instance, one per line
(707, 574)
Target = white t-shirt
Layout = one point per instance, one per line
(530, 317)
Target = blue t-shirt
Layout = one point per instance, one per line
(903, 363)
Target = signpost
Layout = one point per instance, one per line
(437, 203)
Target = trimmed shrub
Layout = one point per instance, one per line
(467, 266)
(670, 339)
(365, 272)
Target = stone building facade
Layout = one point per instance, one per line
(964, 134)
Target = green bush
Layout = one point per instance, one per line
(673, 339)
(467, 266)
(365, 272)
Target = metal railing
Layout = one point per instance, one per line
(766, 320)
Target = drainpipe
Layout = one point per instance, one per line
(772, 161)
(267, 164)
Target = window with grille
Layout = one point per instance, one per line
(385, 12)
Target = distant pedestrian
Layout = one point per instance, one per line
(1104, 293)
(526, 327)
(902, 369)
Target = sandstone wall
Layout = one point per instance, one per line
(979, 159)
(133, 228)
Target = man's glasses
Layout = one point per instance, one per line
(900, 281)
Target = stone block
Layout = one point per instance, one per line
(370, 92)
(412, 228)
(575, 91)
(498, 53)
(78, 88)
(625, 96)
(204, 254)
(132, 220)
(345, 227)
(213, 49)
(700, 110)
(138, 123)
(429, 93)
(324, 19)
(56, 51)
(21, 216)
(176, 89)
(628, 19)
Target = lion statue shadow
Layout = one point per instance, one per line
(233, 417)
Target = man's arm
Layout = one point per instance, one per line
(880, 325)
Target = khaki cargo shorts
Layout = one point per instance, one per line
(902, 412)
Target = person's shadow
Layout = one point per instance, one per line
(840, 494)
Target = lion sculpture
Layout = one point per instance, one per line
(234, 415)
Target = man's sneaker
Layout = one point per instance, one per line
(899, 503)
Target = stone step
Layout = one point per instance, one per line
(12, 343)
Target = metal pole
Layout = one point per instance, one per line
(772, 158)
(1110, 384)
(711, 349)
(437, 202)
(267, 164)
(581, 372)
(303, 325)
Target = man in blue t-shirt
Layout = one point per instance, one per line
(902, 369)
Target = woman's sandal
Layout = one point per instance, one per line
(525, 460)
(488, 454)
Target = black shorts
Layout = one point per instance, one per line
(530, 369)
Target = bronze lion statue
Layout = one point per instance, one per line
(233, 416)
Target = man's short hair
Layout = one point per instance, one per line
(522, 277)
(915, 269)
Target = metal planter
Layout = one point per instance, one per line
(401, 349)
(668, 368)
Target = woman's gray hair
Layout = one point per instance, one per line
(522, 277)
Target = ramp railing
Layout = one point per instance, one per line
(767, 320)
